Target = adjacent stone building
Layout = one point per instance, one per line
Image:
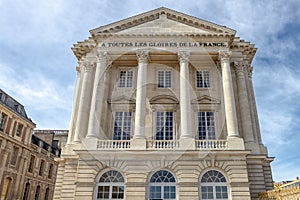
(27, 167)
(164, 108)
(56, 138)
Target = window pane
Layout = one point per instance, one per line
(206, 126)
(203, 79)
(164, 79)
(122, 126)
(164, 126)
(155, 192)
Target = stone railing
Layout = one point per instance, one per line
(211, 144)
(163, 144)
(113, 144)
(281, 194)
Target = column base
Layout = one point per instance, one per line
(187, 144)
(138, 144)
(90, 143)
(235, 143)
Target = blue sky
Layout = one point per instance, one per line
(37, 66)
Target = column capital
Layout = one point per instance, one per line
(183, 56)
(238, 67)
(224, 56)
(87, 66)
(250, 71)
(103, 57)
(142, 55)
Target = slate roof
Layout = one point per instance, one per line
(13, 105)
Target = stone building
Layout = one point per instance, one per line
(164, 108)
(27, 167)
(56, 138)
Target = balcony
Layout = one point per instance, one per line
(163, 144)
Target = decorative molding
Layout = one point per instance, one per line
(239, 68)
(87, 66)
(206, 100)
(104, 57)
(142, 56)
(224, 56)
(183, 56)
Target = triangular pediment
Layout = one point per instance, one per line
(164, 99)
(206, 100)
(122, 100)
(162, 21)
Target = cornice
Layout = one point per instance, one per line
(155, 14)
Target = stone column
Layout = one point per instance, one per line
(139, 138)
(140, 105)
(229, 101)
(185, 99)
(75, 106)
(94, 123)
(244, 102)
(84, 102)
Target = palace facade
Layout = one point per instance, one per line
(164, 108)
(27, 166)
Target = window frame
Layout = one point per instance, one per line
(42, 167)
(202, 71)
(126, 70)
(110, 184)
(14, 156)
(122, 125)
(207, 127)
(19, 130)
(164, 129)
(162, 185)
(213, 185)
(3, 121)
(31, 164)
(164, 78)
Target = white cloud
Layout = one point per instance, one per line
(40, 95)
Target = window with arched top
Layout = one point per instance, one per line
(26, 191)
(111, 185)
(162, 185)
(6, 188)
(213, 185)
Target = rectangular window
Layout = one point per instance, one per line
(14, 156)
(42, 166)
(103, 192)
(164, 79)
(50, 171)
(126, 79)
(31, 164)
(122, 126)
(207, 192)
(164, 126)
(206, 126)
(19, 130)
(221, 192)
(202, 79)
(3, 120)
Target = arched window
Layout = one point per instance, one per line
(46, 194)
(5, 188)
(162, 186)
(26, 191)
(213, 185)
(111, 185)
(37, 192)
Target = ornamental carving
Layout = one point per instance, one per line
(142, 56)
(88, 66)
(183, 56)
(239, 68)
(224, 56)
(104, 57)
